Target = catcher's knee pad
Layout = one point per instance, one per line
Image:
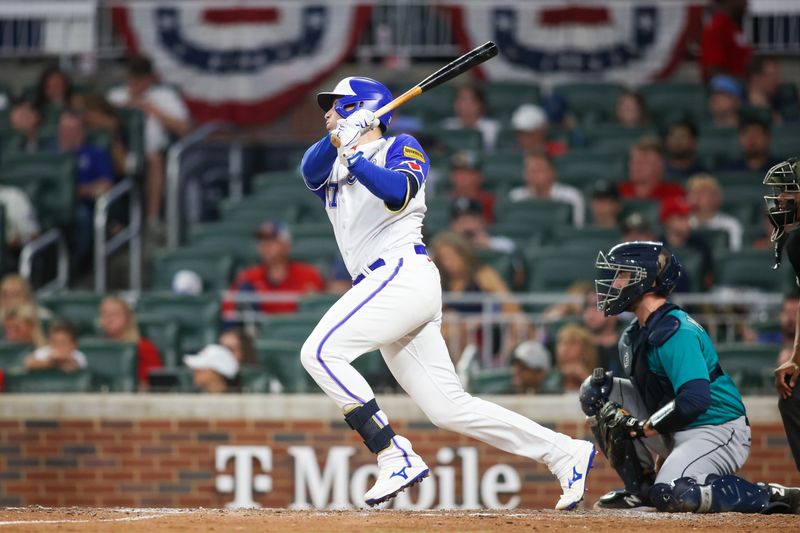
(680, 496)
(721, 494)
(362, 419)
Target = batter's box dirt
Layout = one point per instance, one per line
(35, 519)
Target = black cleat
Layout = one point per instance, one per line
(787, 499)
(620, 499)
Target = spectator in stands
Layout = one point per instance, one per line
(215, 370)
(681, 151)
(26, 119)
(576, 356)
(531, 126)
(679, 235)
(466, 181)
(724, 101)
(61, 351)
(646, 174)
(754, 141)
(470, 110)
(99, 114)
(540, 183)
(118, 323)
(630, 110)
(604, 332)
(466, 219)
(763, 88)
(787, 321)
(187, 282)
(605, 206)
(15, 291)
(95, 176)
(21, 324)
(166, 116)
(635, 227)
(530, 364)
(53, 93)
(22, 225)
(275, 273)
(705, 198)
(241, 345)
(724, 48)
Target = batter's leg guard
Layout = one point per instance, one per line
(720, 494)
(636, 478)
(376, 437)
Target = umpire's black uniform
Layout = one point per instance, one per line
(790, 407)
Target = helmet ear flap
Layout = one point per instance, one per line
(667, 279)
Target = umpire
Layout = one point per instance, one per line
(676, 401)
(782, 208)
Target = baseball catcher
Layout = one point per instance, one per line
(675, 402)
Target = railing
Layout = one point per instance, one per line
(29, 252)
(104, 247)
(773, 26)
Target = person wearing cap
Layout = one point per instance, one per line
(469, 107)
(680, 151)
(531, 126)
(646, 173)
(679, 235)
(466, 181)
(540, 183)
(605, 206)
(275, 273)
(187, 282)
(530, 364)
(724, 101)
(635, 227)
(754, 141)
(215, 370)
(705, 197)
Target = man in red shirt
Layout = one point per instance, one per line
(724, 48)
(276, 273)
(646, 174)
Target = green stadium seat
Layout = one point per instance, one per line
(256, 212)
(372, 366)
(503, 98)
(317, 303)
(591, 102)
(492, 381)
(281, 358)
(213, 266)
(320, 230)
(582, 168)
(785, 147)
(458, 139)
(80, 308)
(500, 261)
(670, 101)
(165, 334)
(534, 213)
(47, 381)
(611, 137)
(748, 268)
(649, 209)
(718, 239)
(113, 364)
(555, 269)
(522, 234)
(266, 181)
(290, 327)
(718, 145)
(198, 316)
(692, 262)
(749, 365)
(12, 354)
(436, 105)
(255, 380)
(589, 237)
(503, 168)
(319, 251)
(48, 180)
(739, 179)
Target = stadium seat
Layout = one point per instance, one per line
(534, 213)
(588, 237)
(692, 262)
(591, 102)
(113, 364)
(458, 140)
(492, 381)
(522, 234)
(317, 303)
(499, 261)
(717, 146)
(314, 230)
(739, 178)
(198, 316)
(267, 208)
(165, 334)
(582, 168)
(749, 365)
(503, 168)
(670, 101)
(436, 105)
(267, 181)
(785, 147)
(718, 239)
(48, 180)
(289, 327)
(281, 358)
(372, 366)
(255, 380)
(320, 252)
(12, 354)
(80, 308)
(649, 209)
(748, 268)
(555, 269)
(611, 137)
(504, 97)
(213, 266)
(47, 381)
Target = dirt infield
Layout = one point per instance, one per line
(277, 520)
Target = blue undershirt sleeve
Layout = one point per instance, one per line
(693, 399)
(391, 186)
(317, 163)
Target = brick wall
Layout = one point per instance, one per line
(170, 461)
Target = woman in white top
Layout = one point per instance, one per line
(61, 351)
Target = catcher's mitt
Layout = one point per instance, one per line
(617, 427)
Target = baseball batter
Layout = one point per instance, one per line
(373, 188)
(676, 399)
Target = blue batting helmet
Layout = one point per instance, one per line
(355, 93)
(630, 270)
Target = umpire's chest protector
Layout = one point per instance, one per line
(634, 345)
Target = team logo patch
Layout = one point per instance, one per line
(416, 167)
(415, 154)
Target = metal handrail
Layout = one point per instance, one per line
(52, 237)
(131, 234)
(174, 154)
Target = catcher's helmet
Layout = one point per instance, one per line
(782, 212)
(355, 93)
(630, 270)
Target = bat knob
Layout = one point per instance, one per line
(335, 141)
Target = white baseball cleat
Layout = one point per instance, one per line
(572, 475)
(399, 468)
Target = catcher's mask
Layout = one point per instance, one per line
(630, 270)
(782, 204)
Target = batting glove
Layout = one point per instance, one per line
(364, 119)
(349, 156)
(348, 133)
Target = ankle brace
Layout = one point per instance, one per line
(363, 420)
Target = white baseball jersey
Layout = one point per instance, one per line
(362, 223)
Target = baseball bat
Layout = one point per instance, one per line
(455, 68)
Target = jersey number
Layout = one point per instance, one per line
(333, 190)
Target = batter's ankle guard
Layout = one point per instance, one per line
(362, 419)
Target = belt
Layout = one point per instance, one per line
(419, 249)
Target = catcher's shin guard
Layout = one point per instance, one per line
(636, 477)
(720, 494)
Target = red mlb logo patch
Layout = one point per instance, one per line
(416, 167)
